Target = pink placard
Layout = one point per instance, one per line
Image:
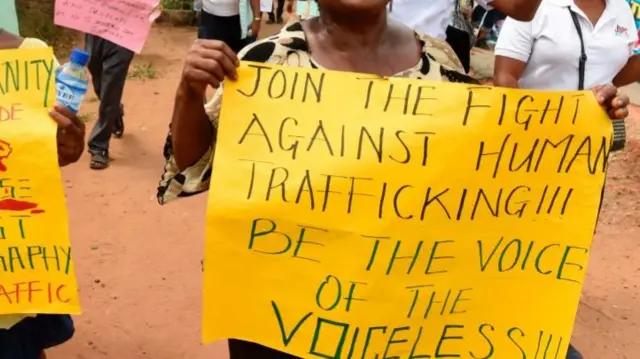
(124, 22)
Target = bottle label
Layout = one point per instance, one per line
(69, 95)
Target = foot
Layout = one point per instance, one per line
(99, 161)
(118, 127)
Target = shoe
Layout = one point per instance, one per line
(280, 21)
(271, 22)
(99, 161)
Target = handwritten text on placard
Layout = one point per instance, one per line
(124, 22)
(358, 217)
(36, 261)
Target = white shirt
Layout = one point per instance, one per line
(221, 7)
(550, 45)
(430, 17)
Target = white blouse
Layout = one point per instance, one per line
(550, 45)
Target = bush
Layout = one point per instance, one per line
(177, 4)
(36, 20)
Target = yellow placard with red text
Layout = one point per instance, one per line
(357, 217)
(36, 262)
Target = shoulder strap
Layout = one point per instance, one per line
(583, 56)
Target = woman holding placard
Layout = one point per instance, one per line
(349, 35)
(27, 336)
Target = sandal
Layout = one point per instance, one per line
(99, 161)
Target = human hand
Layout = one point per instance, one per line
(70, 135)
(616, 104)
(254, 27)
(208, 63)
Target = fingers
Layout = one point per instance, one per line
(64, 122)
(621, 100)
(218, 60)
(219, 46)
(605, 94)
(68, 114)
(209, 62)
(619, 113)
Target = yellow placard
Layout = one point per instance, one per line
(36, 261)
(357, 217)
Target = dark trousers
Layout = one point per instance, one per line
(108, 65)
(239, 349)
(278, 13)
(223, 28)
(30, 337)
(461, 45)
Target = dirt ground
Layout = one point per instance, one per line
(138, 264)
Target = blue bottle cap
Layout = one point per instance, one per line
(79, 57)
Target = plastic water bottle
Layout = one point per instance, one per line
(72, 80)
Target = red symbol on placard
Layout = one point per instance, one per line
(11, 204)
(15, 195)
(5, 151)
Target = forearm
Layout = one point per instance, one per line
(255, 8)
(522, 10)
(630, 73)
(505, 80)
(191, 131)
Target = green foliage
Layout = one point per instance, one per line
(36, 20)
(177, 4)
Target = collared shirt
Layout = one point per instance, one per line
(635, 10)
(550, 45)
(427, 16)
(221, 7)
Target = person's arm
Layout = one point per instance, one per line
(256, 21)
(191, 131)
(208, 63)
(522, 10)
(512, 51)
(190, 144)
(630, 73)
(507, 71)
(255, 8)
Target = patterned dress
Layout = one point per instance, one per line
(290, 48)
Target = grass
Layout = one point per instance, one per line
(145, 71)
(177, 4)
(85, 117)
